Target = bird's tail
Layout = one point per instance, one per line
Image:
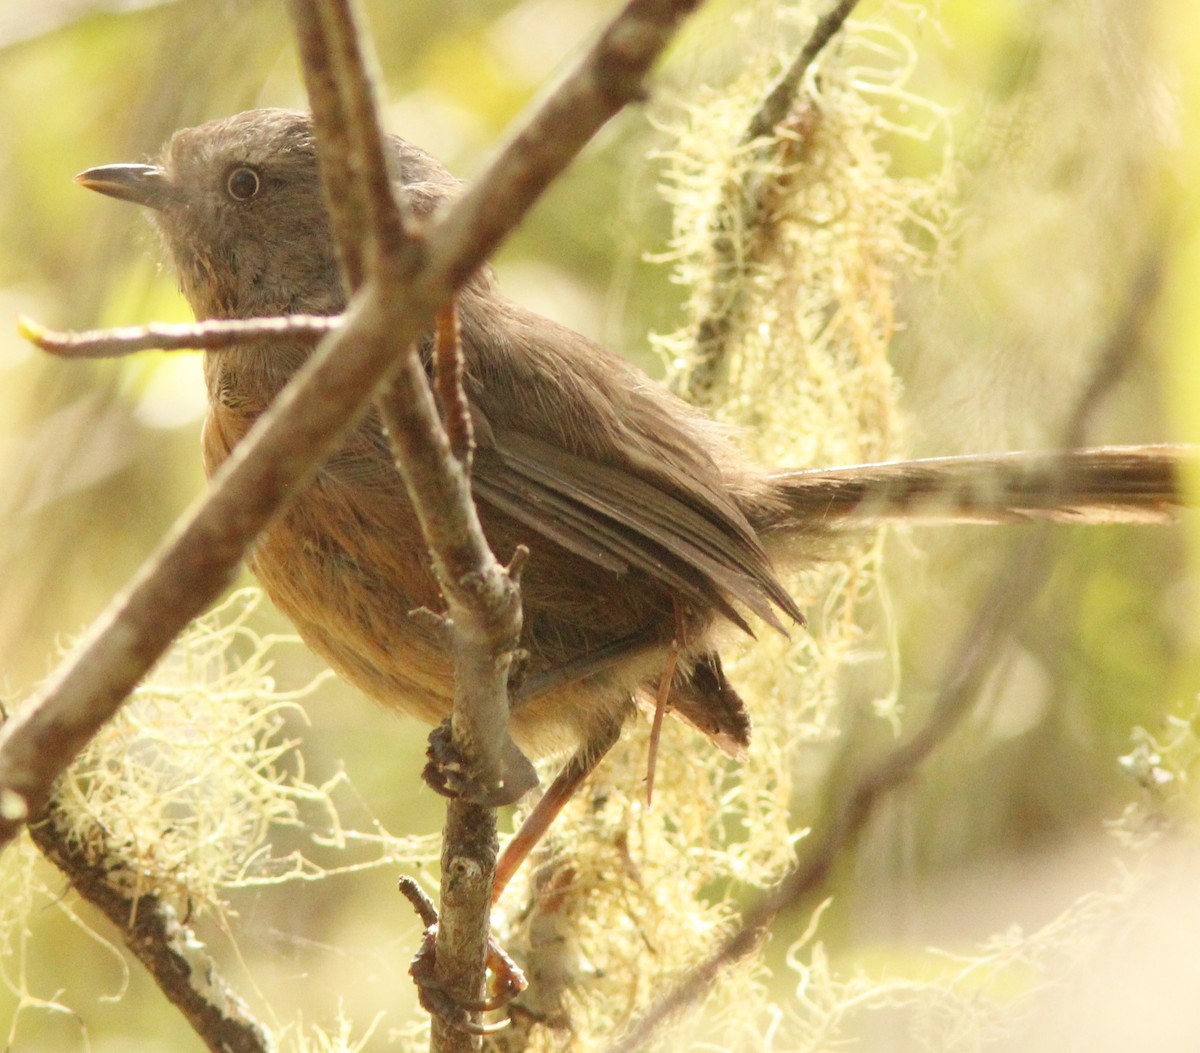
(1105, 484)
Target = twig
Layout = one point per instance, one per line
(447, 382)
(214, 335)
(485, 620)
(746, 199)
(483, 601)
(421, 902)
(1124, 339)
(778, 102)
(151, 928)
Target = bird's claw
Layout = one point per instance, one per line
(448, 773)
(506, 981)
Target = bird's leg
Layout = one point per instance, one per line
(506, 982)
(446, 773)
(559, 792)
(660, 701)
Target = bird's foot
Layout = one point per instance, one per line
(505, 978)
(448, 773)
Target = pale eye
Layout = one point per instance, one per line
(242, 183)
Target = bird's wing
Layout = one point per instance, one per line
(625, 521)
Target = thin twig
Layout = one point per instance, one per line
(447, 382)
(170, 951)
(742, 207)
(779, 101)
(485, 628)
(213, 335)
(420, 901)
(1126, 337)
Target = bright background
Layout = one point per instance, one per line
(98, 459)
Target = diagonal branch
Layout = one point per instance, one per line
(779, 101)
(365, 218)
(153, 931)
(610, 76)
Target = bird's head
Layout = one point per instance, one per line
(239, 204)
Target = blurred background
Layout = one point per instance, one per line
(1073, 125)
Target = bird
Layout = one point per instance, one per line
(653, 540)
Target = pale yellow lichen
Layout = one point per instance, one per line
(804, 295)
(188, 792)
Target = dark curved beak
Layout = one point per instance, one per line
(142, 184)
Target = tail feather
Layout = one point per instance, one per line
(1105, 484)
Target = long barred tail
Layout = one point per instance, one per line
(1105, 484)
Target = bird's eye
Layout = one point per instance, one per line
(242, 183)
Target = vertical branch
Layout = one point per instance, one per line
(347, 207)
(484, 626)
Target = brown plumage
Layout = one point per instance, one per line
(639, 513)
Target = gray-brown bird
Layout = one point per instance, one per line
(646, 527)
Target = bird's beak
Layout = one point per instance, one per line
(142, 184)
